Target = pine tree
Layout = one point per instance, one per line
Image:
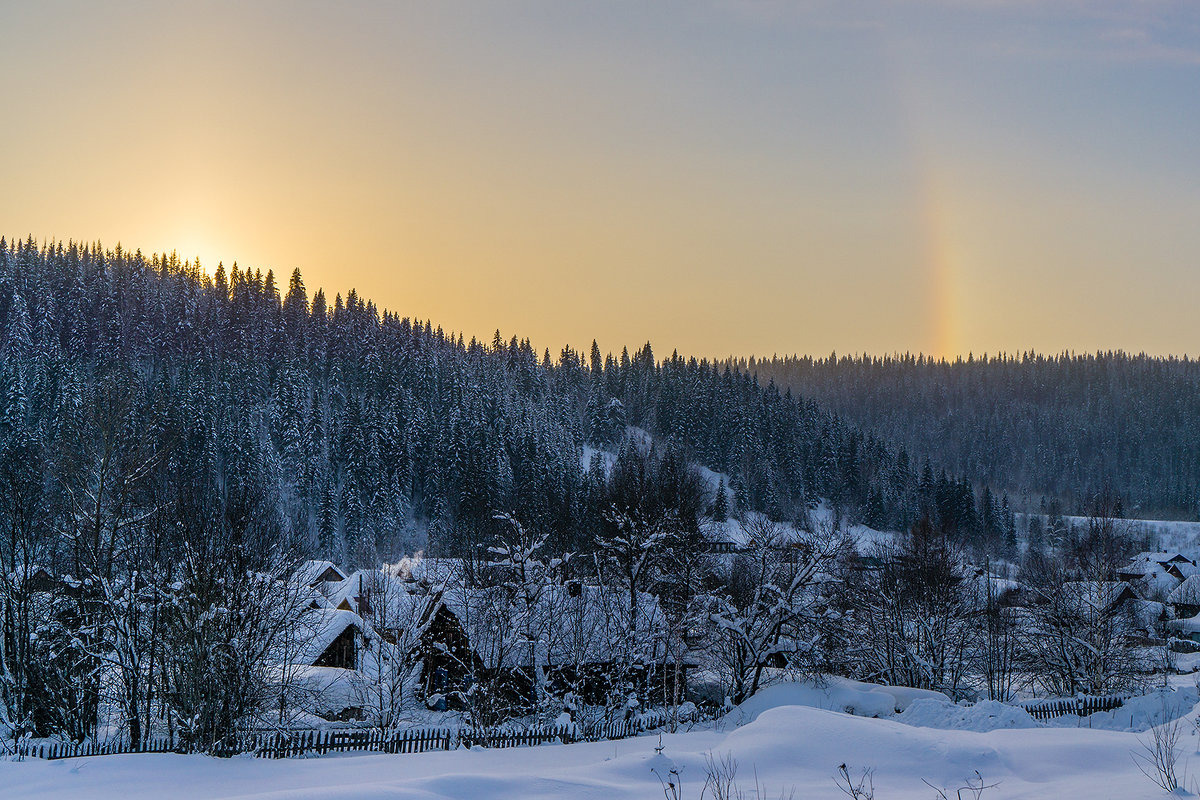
(720, 506)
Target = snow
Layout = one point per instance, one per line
(311, 571)
(1169, 536)
(986, 715)
(1188, 625)
(328, 691)
(322, 626)
(606, 458)
(784, 747)
(1139, 713)
(734, 531)
(835, 694)
(1187, 593)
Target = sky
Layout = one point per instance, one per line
(716, 177)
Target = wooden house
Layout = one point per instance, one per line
(332, 638)
(1185, 599)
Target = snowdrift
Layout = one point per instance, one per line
(833, 694)
(783, 747)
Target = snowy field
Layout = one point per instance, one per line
(1166, 535)
(780, 748)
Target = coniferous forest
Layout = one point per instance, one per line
(1058, 429)
(238, 402)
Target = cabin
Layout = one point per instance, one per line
(1149, 619)
(719, 545)
(1103, 597)
(984, 584)
(332, 638)
(447, 659)
(1149, 565)
(40, 579)
(1177, 559)
(461, 631)
(1185, 599)
(1188, 630)
(314, 573)
(580, 646)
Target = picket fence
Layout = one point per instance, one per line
(1079, 706)
(297, 743)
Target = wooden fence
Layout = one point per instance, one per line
(296, 743)
(1079, 706)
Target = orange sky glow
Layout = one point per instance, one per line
(718, 178)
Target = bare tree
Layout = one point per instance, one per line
(398, 620)
(773, 601)
(1075, 634)
(1159, 757)
(230, 630)
(118, 549)
(913, 614)
(998, 639)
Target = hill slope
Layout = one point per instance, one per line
(232, 404)
(1062, 427)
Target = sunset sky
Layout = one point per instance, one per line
(719, 177)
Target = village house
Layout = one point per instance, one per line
(1157, 574)
(1097, 597)
(1185, 599)
(461, 631)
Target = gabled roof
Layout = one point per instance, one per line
(1186, 593)
(1185, 569)
(314, 572)
(388, 601)
(1141, 568)
(580, 625)
(318, 630)
(1189, 625)
(1146, 613)
(1098, 595)
(1162, 557)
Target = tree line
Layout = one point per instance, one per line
(1043, 429)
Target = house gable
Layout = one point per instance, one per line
(342, 652)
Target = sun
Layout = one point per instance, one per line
(199, 246)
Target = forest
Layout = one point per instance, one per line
(353, 433)
(1050, 431)
(173, 444)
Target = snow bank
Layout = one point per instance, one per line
(784, 748)
(833, 694)
(986, 715)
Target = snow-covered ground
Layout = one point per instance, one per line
(1164, 535)
(783, 746)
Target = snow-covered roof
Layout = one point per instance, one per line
(318, 630)
(346, 592)
(313, 572)
(981, 580)
(1189, 625)
(1155, 579)
(1186, 593)
(584, 625)
(1146, 613)
(1161, 557)
(1099, 595)
(1185, 568)
(428, 571)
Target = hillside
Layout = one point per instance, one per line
(1037, 427)
(230, 403)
